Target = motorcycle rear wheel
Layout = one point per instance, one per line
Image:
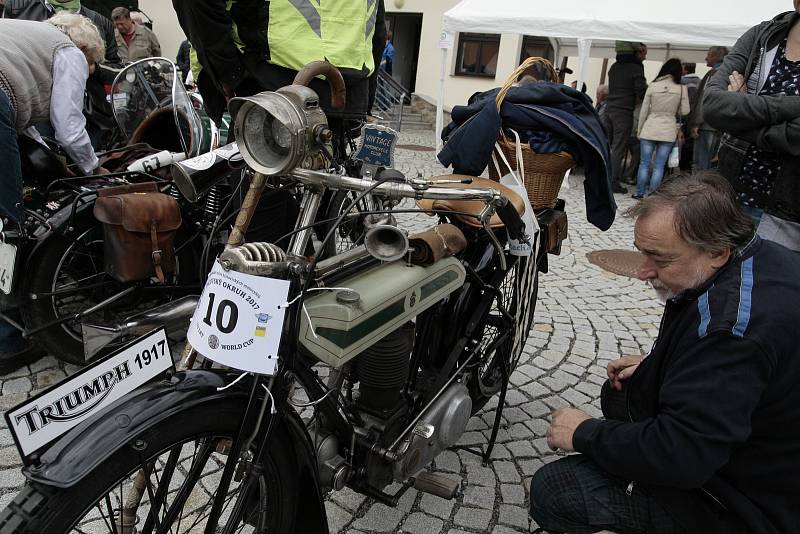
(487, 378)
(190, 440)
(76, 265)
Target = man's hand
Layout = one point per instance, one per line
(563, 423)
(101, 170)
(622, 369)
(695, 132)
(736, 83)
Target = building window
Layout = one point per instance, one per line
(536, 47)
(477, 54)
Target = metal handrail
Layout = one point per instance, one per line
(390, 98)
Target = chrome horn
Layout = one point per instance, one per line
(384, 240)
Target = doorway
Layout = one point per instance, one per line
(406, 31)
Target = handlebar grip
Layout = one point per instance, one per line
(514, 224)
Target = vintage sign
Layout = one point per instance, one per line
(43, 418)
(239, 320)
(377, 146)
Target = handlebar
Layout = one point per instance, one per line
(394, 190)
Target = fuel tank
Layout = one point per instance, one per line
(375, 303)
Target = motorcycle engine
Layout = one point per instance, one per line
(440, 428)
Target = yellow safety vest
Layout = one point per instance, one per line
(194, 62)
(339, 31)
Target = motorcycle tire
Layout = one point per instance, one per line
(38, 508)
(79, 262)
(349, 234)
(485, 381)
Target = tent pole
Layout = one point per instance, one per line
(584, 50)
(440, 101)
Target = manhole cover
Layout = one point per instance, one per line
(419, 148)
(622, 262)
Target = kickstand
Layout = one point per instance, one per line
(498, 416)
(501, 402)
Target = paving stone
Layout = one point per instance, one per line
(521, 449)
(515, 516)
(11, 478)
(380, 518)
(436, 506)
(448, 461)
(49, 377)
(512, 493)
(348, 499)
(506, 471)
(479, 497)
(337, 517)
(419, 523)
(481, 476)
(17, 385)
(473, 518)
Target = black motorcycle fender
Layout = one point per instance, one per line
(88, 445)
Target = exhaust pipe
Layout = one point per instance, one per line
(173, 316)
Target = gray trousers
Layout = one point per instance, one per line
(619, 126)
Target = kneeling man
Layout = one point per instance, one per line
(703, 433)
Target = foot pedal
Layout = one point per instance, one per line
(437, 484)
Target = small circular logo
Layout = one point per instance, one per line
(413, 300)
(213, 341)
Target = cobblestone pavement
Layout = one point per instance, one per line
(585, 317)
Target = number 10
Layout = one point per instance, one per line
(233, 314)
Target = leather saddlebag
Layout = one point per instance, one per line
(139, 226)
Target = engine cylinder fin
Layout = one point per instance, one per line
(382, 369)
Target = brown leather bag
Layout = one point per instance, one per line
(139, 226)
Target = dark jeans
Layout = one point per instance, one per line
(705, 148)
(10, 195)
(11, 175)
(574, 495)
(619, 124)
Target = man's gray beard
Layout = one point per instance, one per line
(664, 293)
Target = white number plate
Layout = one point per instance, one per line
(43, 418)
(8, 253)
(239, 320)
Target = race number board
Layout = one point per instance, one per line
(40, 420)
(239, 320)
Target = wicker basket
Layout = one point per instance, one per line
(544, 173)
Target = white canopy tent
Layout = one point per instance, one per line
(675, 24)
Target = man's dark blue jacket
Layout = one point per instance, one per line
(715, 406)
(530, 110)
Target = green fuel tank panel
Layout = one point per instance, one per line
(376, 303)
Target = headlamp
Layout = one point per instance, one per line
(276, 130)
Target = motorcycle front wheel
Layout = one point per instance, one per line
(184, 457)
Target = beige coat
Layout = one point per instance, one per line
(144, 44)
(663, 102)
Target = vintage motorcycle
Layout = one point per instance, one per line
(57, 291)
(419, 333)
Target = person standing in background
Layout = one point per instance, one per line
(692, 83)
(43, 72)
(601, 100)
(626, 88)
(134, 41)
(706, 137)
(754, 98)
(665, 100)
(387, 59)
(183, 59)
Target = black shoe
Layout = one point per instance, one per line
(616, 188)
(637, 196)
(11, 361)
